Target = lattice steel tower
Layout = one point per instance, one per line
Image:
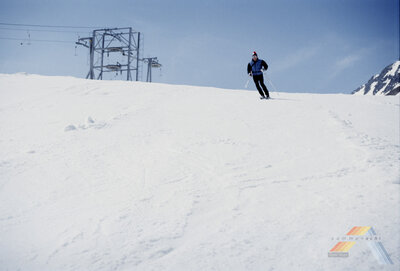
(152, 62)
(105, 45)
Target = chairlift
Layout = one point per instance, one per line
(115, 49)
(29, 38)
(113, 67)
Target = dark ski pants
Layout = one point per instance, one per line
(259, 80)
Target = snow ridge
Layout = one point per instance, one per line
(384, 83)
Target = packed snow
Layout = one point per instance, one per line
(113, 175)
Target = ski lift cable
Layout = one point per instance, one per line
(42, 30)
(38, 40)
(50, 26)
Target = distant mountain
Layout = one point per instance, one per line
(385, 83)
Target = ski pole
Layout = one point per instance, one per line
(247, 83)
(270, 82)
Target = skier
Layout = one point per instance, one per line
(255, 69)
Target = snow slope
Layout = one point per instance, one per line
(111, 175)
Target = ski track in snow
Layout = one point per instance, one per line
(133, 176)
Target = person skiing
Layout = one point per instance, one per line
(255, 69)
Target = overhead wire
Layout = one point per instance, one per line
(49, 26)
(39, 40)
(17, 27)
(43, 30)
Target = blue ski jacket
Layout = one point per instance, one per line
(255, 66)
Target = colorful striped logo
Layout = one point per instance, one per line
(359, 230)
(342, 247)
(380, 253)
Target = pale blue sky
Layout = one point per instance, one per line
(320, 46)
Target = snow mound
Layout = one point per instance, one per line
(70, 128)
(112, 175)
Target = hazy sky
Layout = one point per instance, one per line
(310, 45)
